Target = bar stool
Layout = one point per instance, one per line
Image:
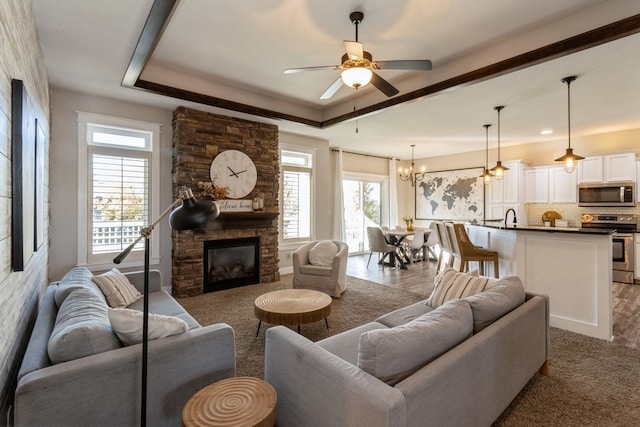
(445, 245)
(468, 251)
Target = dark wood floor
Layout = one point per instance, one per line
(418, 278)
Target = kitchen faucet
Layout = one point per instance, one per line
(506, 215)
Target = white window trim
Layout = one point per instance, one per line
(313, 152)
(133, 260)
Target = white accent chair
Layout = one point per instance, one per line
(330, 278)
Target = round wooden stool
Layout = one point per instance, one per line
(239, 401)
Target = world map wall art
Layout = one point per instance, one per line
(455, 195)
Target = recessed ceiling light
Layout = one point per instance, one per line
(546, 132)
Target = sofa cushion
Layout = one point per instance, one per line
(82, 327)
(323, 252)
(405, 314)
(393, 354)
(450, 284)
(127, 325)
(345, 344)
(76, 278)
(116, 288)
(502, 297)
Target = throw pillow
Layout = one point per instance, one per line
(127, 325)
(76, 278)
(490, 305)
(82, 327)
(393, 354)
(450, 284)
(322, 253)
(116, 288)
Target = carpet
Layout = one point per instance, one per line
(591, 382)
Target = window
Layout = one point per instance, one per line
(297, 195)
(118, 198)
(364, 198)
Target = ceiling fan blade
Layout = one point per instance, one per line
(383, 85)
(319, 68)
(354, 50)
(408, 64)
(332, 89)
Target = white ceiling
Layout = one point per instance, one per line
(237, 50)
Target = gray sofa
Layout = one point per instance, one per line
(470, 384)
(104, 389)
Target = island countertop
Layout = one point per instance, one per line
(496, 225)
(573, 266)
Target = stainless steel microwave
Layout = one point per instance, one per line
(610, 194)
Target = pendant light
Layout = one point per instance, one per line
(498, 169)
(569, 159)
(486, 176)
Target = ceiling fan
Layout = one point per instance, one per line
(357, 66)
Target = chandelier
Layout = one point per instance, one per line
(407, 174)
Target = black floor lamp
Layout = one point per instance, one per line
(192, 214)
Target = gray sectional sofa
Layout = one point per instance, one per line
(473, 365)
(103, 389)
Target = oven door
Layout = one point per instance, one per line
(622, 257)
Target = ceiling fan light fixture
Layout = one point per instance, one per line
(356, 77)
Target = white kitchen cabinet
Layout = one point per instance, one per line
(550, 184)
(607, 168)
(536, 182)
(506, 193)
(562, 186)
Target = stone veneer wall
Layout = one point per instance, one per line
(197, 138)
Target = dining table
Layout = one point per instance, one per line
(395, 237)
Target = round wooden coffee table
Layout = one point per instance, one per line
(238, 401)
(292, 307)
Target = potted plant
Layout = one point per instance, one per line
(547, 219)
(408, 220)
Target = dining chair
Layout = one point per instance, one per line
(414, 247)
(378, 243)
(468, 252)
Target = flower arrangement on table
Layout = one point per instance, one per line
(209, 190)
(408, 220)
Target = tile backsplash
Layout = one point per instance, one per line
(571, 212)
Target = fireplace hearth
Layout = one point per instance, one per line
(229, 263)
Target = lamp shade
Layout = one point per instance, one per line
(356, 76)
(192, 213)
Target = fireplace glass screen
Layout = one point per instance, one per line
(230, 263)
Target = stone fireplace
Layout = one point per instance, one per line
(197, 138)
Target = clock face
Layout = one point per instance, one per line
(235, 170)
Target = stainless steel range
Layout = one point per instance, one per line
(624, 225)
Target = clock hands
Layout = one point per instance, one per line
(236, 174)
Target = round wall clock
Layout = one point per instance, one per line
(235, 170)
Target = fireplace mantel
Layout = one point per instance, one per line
(243, 219)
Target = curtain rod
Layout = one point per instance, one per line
(361, 154)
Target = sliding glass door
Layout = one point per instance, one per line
(364, 206)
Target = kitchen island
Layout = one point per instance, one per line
(573, 266)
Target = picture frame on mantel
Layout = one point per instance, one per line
(23, 164)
